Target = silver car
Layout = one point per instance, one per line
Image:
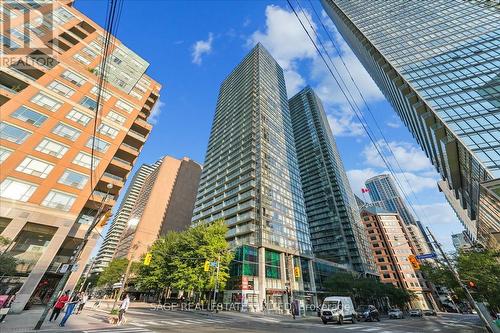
(396, 314)
(415, 313)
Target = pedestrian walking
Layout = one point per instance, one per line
(84, 299)
(123, 308)
(7, 306)
(59, 305)
(264, 306)
(70, 306)
(293, 308)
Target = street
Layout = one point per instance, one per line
(145, 320)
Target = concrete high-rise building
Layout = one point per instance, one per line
(461, 241)
(164, 203)
(120, 220)
(384, 193)
(437, 64)
(51, 186)
(391, 248)
(251, 180)
(337, 233)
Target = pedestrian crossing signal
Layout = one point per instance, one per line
(414, 262)
(147, 259)
(104, 219)
(206, 267)
(296, 272)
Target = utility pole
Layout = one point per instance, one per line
(125, 278)
(216, 283)
(471, 300)
(72, 263)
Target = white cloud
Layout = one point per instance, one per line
(357, 180)
(285, 39)
(154, 117)
(436, 214)
(409, 156)
(202, 47)
(342, 122)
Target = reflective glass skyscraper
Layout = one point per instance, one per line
(251, 180)
(384, 194)
(337, 233)
(437, 62)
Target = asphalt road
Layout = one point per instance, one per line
(148, 321)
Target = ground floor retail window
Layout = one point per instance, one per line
(4, 222)
(30, 244)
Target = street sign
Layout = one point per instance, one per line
(213, 263)
(63, 268)
(427, 256)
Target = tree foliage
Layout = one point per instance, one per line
(113, 273)
(367, 290)
(480, 267)
(178, 259)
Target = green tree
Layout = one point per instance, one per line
(366, 290)
(7, 262)
(178, 259)
(483, 269)
(113, 273)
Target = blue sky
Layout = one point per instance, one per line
(193, 45)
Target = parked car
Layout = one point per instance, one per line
(429, 312)
(368, 313)
(396, 314)
(415, 313)
(337, 309)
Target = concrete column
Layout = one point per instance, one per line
(313, 282)
(262, 276)
(13, 228)
(284, 280)
(84, 258)
(39, 270)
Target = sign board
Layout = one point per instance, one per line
(74, 268)
(63, 268)
(427, 256)
(213, 263)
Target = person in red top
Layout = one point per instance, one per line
(61, 301)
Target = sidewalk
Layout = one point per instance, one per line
(26, 321)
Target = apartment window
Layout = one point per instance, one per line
(381, 260)
(124, 106)
(383, 268)
(66, 131)
(61, 89)
(52, 148)
(4, 154)
(84, 160)
(59, 200)
(81, 59)
(73, 78)
(108, 130)
(104, 94)
(78, 117)
(13, 133)
(29, 116)
(73, 179)
(35, 167)
(90, 52)
(46, 102)
(99, 145)
(116, 117)
(89, 103)
(61, 15)
(387, 276)
(7, 42)
(15, 189)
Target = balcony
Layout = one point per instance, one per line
(127, 152)
(97, 198)
(143, 124)
(110, 178)
(11, 85)
(119, 167)
(138, 136)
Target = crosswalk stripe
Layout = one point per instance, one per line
(169, 323)
(122, 330)
(138, 324)
(154, 323)
(370, 329)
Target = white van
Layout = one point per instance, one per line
(337, 309)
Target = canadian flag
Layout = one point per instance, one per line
(365, 190)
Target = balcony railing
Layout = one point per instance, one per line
(130, 147)
(137, 133)
(121, 161)
(115, 177)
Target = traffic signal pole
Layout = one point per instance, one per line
(472, 302)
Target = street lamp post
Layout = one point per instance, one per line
(73, 262)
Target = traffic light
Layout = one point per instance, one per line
(296, 271)
(206, 267)
(147, 259)
(414, 262)
(471, 285)
(104, 218)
